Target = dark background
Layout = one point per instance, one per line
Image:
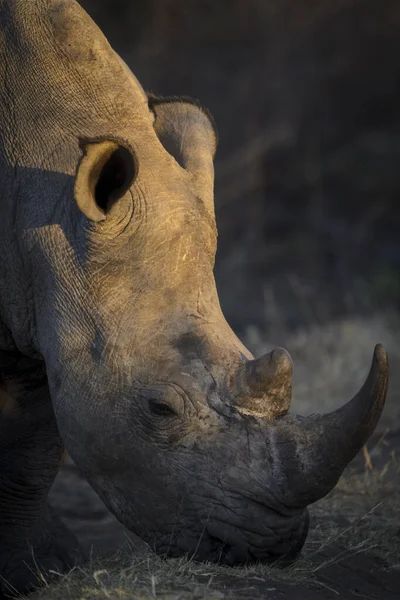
(306, 98)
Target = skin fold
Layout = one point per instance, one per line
(113, 344)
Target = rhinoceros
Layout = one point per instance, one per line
(113, 344)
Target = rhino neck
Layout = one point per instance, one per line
(61, 82)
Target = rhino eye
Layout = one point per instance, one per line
(163, 409)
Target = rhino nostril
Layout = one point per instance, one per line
(221, 551)
(227, 553)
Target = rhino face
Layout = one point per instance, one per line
(185, 436)
(171, 438)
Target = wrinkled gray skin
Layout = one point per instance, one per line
(112, 341)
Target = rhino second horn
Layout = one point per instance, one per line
(323, 445)
(263, 387)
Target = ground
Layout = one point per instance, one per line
(353, 549)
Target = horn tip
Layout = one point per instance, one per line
(381, 357)
(282, 357)
(379, 378)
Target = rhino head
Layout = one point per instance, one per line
(186, 437)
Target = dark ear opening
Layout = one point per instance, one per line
(105, 173)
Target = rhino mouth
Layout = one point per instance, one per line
(222, 543)
(226, 554)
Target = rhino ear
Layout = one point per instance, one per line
(187, 131)
(105, 172)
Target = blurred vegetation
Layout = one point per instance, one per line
(306, 99)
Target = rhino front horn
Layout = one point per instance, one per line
(263, 387)
(324, 444)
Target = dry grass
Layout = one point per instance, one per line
(357, 518)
